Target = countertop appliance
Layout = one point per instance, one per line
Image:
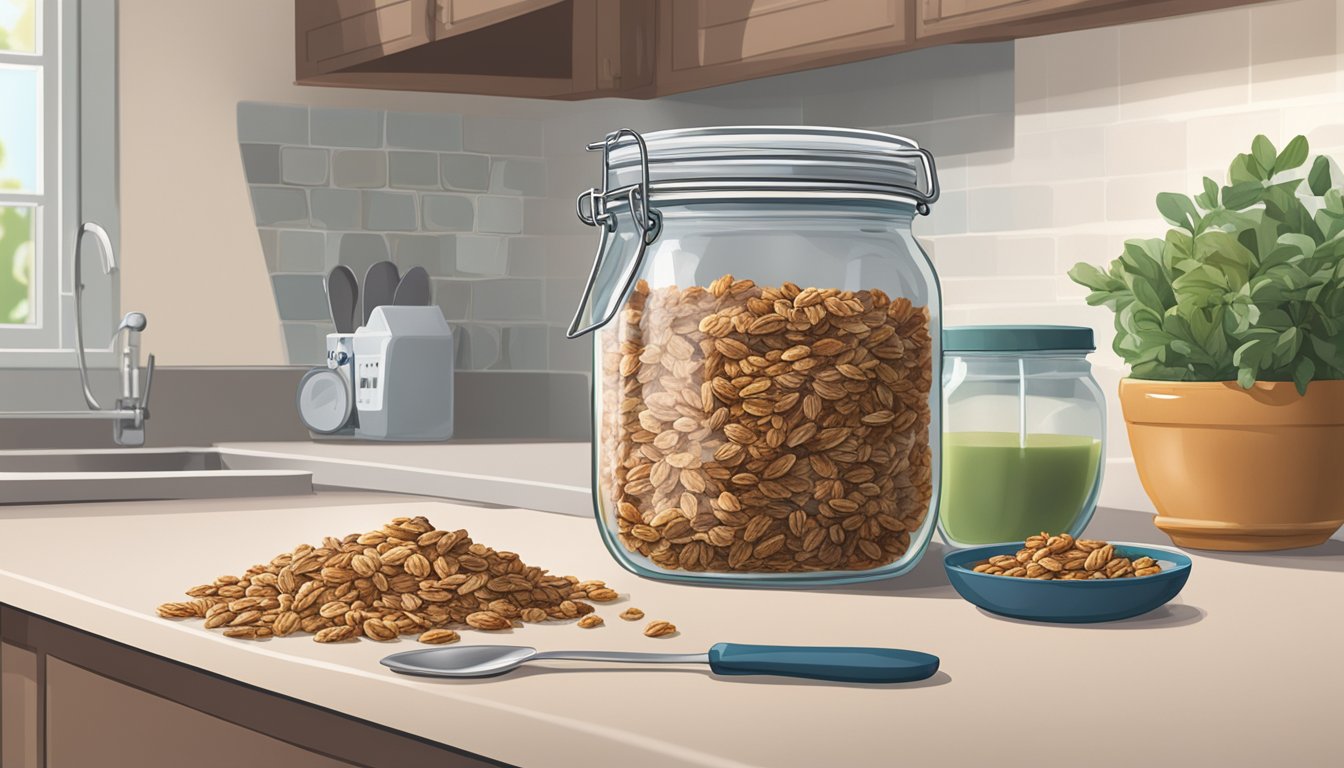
(403, 374)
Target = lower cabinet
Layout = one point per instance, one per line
(91, 718)
(70, 699)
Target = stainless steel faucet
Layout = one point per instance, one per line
(132, 408)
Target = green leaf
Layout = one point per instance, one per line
(1209, 199)
(1244, 169)
(1242, 195)
(1246, 377)
(1292, 155)
(1302, 373)
(1262, 150)
(1318, 179)
(1178, 209)
(1089, 276)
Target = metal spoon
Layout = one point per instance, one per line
(414, 289)
(850, 665)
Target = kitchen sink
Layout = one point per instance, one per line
(35, 477)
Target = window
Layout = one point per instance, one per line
(57, 114)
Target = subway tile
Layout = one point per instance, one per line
(346, 127)
(1154, 146)
(502, 215)
(960, 135)
(459, 170)
(988, 255)
(280, 206)
(998, 290)
(436, 253)
(569, 174)
(389, 211)
(507, 299)
(963, 255)
(335, 208)
(502, 135)
(261, 163)
(1320, 122)
(1293, 49)
(1080, 202)
(431, 131)
(1213, 141)
(996, 209)
(359, 169)
(478, 346)
(552, 216)
(453, 298)
(301, 297)
(570, 256)
(482, 255)
(304, 166)
(305, 343)
(1134, 197)
(524, 348)
(562, 298)
(413, 170)
(569, 354)
(946, 216)
(301, 251)
(272, 123)
(527, 257)
(518, 176)
(447, 213)
(358, 251)
(1184, 64)
(269, 244)
(1084, 78)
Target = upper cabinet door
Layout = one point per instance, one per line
(708, 42)
(984, 18)
(334, 34)
(453, 17)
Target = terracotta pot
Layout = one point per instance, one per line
(1235, 469)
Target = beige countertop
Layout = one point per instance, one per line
(546, 476)
(1242, 669)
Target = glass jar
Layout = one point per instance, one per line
(766, 367)
(1024, 426)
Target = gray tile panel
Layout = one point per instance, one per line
(272, 123)
(436, 253)
(301, 297)
(358, 251)
(527, 257)
(303, 166)
(453, 297)
(502, 136)
(280, 206)
(439, 132)
(569, 354)
(268, 247)
(301, 250)
(346, 127)
(359, 169)
(413, 170)
(507, 299)
(482, 255)
(524, 348)
(518, 176)
(478, 346)
(389, 211)
(305, 343)
(336, 208)
(261, 163)
(447, 213)
(463, 171)
(503, 215)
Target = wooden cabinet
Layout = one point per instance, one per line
(578, 49)
(710, 42)
(331, 35)
(19, 685)
(561, 49)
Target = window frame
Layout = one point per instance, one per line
(77, 182)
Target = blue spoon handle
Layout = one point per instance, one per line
(849, 665)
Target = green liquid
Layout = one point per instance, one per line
(996, 490)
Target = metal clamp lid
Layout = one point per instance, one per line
(647, 219)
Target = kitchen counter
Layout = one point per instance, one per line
(545, 476)
(1241, 669)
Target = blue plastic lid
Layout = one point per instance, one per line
(1018, 338)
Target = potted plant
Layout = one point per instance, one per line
(1233, 328)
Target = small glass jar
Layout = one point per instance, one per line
(767, 362)
(1024, 430)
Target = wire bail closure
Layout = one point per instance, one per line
(598, 213)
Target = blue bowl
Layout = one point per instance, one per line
(1068, 602)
